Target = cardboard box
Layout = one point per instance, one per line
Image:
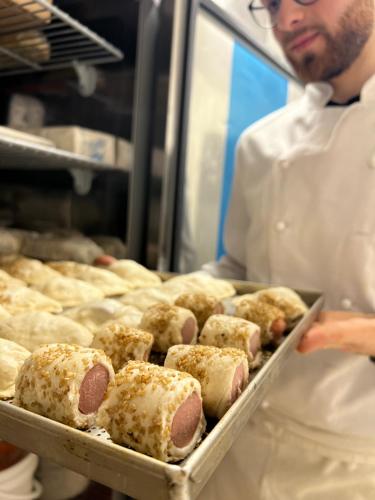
(124, 154)
(91, 143)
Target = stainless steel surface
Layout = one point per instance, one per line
(16, 153)
(93, 454)
(155, 86)
(144, 104)
(177, 81)
(174, 235)
(37, 36)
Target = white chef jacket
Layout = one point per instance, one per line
(302, 214)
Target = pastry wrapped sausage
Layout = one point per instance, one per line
(122, 343)
(222, 373)
(64, 382)
(201, 305)
(227, 331)
(285, 299)
(170, 325)
(270, 319)
(154, 410)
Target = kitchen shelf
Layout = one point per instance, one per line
(37, 36)
(16, 153)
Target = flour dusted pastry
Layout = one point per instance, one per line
(4, 314)
(147, 297)
(7, 281)
(109, 283)
(201, 305)
(18, 300)
(170, 325)
(31, 271)
(69, 292)
(197, 282)
(122, 343)
(93, 314)
(64, 382)
(270, 319)
(285, 299)
(61, 246)
(129, 270)
(226, 331)
(32, 329)
(129, 316)
(12, 357)
(222, 373)
(154, 410)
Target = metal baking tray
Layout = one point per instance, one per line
(93, 454)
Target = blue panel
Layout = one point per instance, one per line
(256, 90)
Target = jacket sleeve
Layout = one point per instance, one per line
(233, 264)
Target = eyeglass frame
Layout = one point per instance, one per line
(252, 9)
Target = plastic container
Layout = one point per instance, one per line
(17, 482)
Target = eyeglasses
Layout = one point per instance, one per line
(265, 12)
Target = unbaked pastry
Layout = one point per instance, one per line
(33, 329)
(69, 292)
(12, 356)
(18, 300)
(109, 283)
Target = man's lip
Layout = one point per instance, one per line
(301, 41)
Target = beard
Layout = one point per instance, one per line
(341, 49)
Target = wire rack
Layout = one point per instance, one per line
(17, 153)
(37, 36)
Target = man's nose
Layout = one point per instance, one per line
(290, 15)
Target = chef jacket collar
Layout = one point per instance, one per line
(368, 90)
(320, 93)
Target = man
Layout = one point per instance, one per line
(302, 214)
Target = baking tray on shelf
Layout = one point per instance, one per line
(93, 454)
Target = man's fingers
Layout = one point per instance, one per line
(355, 335)
(314, 340)
(326, 336)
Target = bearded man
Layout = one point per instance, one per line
(302, 214)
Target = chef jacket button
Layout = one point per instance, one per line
(281, 226)
(284, 164)
(346, 304)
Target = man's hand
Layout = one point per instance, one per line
(349, 332)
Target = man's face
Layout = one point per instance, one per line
(322, 40)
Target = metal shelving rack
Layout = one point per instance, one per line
(16, 153)
(37, 36)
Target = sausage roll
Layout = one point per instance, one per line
(154, 410)
(270, 319)
(222, 373)
(170, 325)
(64, 382)
(201, 305)
(227, 331)
(199, 283)
(122, 343)
(285, 299)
